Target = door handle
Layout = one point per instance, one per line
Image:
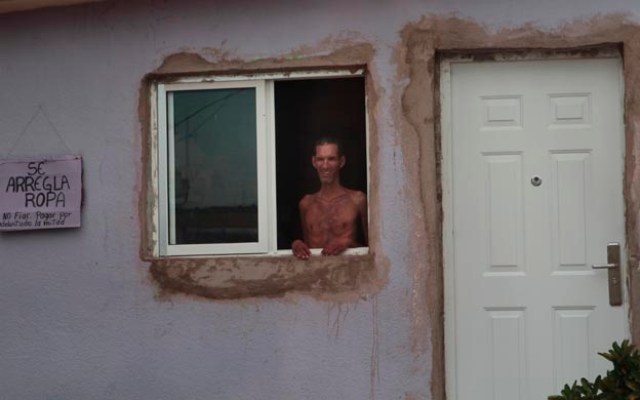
(613, 269)
(604, 266)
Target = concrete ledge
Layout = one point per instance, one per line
(238, 277)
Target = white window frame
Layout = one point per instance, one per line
(167, 165)
(162, 162)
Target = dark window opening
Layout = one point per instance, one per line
(306, 110)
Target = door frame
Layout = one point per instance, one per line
(444, 101)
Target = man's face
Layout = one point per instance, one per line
(327, 162)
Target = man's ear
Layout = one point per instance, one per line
(343, 161)
(313, 161)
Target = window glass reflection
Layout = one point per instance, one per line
(215, 176)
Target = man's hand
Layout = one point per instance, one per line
(333, 249)
(300, 249)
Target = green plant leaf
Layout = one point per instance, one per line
(622, 382)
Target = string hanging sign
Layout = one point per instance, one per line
(40, 193)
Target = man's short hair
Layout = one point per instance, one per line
(329, 140)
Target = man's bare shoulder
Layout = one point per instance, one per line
(357, 196)
(306, 201)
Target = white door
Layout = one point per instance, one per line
(532, 172)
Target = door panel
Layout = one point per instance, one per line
(533, 191)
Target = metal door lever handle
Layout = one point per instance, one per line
(613, 272)
(604, 266)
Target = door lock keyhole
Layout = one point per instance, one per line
(536, 181)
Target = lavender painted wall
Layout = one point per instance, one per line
(79, 316)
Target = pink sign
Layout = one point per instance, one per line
(40, 193)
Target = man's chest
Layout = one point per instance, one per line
(331, 216)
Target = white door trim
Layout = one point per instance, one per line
(447, 228)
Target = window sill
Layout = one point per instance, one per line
(262, 276)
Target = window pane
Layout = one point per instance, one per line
(213, 194)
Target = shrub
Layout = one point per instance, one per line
(620, 383)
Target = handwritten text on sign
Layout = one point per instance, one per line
(40, 193)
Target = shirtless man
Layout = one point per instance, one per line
(330, 216)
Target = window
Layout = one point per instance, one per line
(234, 157)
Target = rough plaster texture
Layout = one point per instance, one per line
(7, 6)
(334, 278)
(81, 315)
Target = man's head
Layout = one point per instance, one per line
(329, 140)
(328, 160)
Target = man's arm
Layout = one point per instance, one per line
(364, 217)
(299, 248)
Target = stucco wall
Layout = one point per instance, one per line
(81, 317)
